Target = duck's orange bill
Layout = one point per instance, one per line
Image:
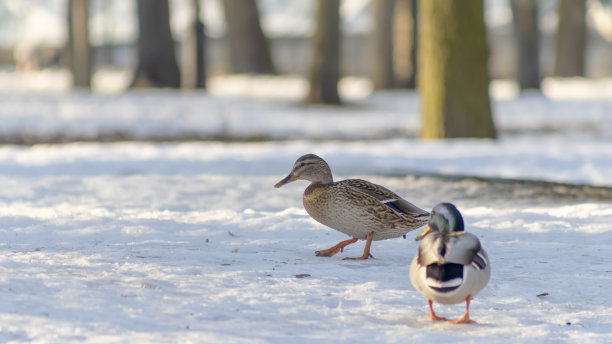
(423, 233)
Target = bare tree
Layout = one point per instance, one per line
(193, 60)
(382, 44)
(453, 78)
(79, 51)
(249, 49)
(157, 66)
(571, 38)
(527, 35)
(325, 67)
(405, 43)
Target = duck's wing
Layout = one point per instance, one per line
(387, 197)
(458, 248)
(464, 248)
(432, 250)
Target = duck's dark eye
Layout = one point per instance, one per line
(302, 164)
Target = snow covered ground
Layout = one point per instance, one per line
(189, 241)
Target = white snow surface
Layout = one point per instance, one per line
(541, 137)
(142, 242)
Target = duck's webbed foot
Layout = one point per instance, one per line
(432, 315)
(366, 250)
(466, 317)
(335, 249)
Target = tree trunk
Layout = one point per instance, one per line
(193, 63)
(571, 38)
(157, 66)
(405, 43)
(80, 65)
(453, 79)
(527, 35)
(249, 49)
(382, 44)
(325, 67)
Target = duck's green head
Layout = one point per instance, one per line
(445, 219)
(308, 167)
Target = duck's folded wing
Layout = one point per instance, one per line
(431, 250)
(458, 248)
(464, 248)
(387, 197)
(408, 208)
(379, 192)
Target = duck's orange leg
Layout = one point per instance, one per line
(432, 315)
(466, 317)
(333, 250)
(366, 250)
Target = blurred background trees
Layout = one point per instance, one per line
(157, 65)
(405, 33)
(184, 43)
(526, 30)
(325, 65)
(78, 43)
(383, 74)
(571, 38)
(193, 54)
(453, 75)
(249, 51)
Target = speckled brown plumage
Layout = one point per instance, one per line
(355, 207)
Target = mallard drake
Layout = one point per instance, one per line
(355, 207)
(451, 266)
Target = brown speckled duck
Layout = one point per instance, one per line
(355, 207)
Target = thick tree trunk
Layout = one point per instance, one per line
(80, 65)
(382, 44)
(453, 78)
(200, 55)
(571, 38)
(527, 35)
(405, 43)
(193, 63)
(157, 66)
(249, 49)
(325, 67)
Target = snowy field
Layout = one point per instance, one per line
(189, 241)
